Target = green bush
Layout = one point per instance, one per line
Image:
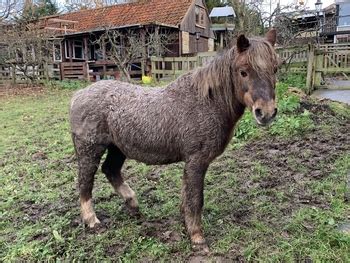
(287, 103)
(246, 129)
(287, 126)
(294, 80)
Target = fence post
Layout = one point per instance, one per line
(318, 67)
(310, 69)
(153, 67)
(13, 68)
(163, 67)
(46, 71)
(173, 67)
(62, 70)
(87, 71)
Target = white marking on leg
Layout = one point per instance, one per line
(88, 213)
(128, 194)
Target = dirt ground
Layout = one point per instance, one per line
(25, 90)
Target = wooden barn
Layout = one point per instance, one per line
(78, 55)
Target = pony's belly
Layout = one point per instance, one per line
(152, 157)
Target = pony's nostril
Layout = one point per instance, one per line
(274, 113)
(258, 113)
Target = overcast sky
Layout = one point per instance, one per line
(310, 4)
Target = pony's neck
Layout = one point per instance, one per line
(215, 82)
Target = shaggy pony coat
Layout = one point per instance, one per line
(191, 120)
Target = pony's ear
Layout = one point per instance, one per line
(271, 36)
(242, 43)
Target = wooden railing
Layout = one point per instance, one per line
(172, 67)
(315, 61)
(295, 57)
(15, 73)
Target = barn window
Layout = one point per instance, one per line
(57, 52)
(78, 49)
(200, 16)
(344, 14)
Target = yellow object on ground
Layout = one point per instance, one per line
(146, 80)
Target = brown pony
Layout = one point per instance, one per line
(190, 120)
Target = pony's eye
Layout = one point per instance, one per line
(275, 70)
(244, 74)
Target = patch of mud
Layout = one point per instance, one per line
(293, 162)
(296, 161)
(34, 212)
(208, 259)
(7, 91)
(161, 229)
(320, 110)
(115, 249)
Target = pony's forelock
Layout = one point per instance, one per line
(262, 57)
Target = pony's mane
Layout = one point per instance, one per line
(216, 78)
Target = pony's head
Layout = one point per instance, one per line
(255, 75)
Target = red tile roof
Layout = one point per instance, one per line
(168, 12)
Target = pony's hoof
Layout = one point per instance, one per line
(132, 203)
(201, 248)
(132, 211)
(92, 222)
(199, 244)
(135, 212)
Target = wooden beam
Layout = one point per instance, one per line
(85, 46)
(60, 29)
(58, 20)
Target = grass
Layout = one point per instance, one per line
(254, 209)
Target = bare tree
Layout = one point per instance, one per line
(248, 20)
(124, 48)
(26, 48)
(8, 8)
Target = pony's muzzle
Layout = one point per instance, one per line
(264, 117)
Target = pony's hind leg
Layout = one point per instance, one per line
(112, 169)
(89, 157)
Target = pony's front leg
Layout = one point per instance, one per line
(192, 202)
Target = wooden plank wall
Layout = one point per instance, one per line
(74, 70)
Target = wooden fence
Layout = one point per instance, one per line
(21, 74)
(318, 62)
(172, 67)
(315, 61)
